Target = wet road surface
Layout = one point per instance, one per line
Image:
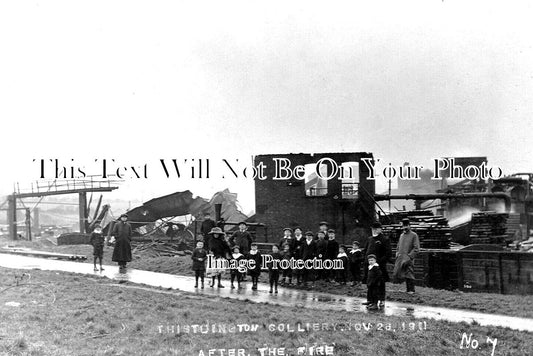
(285, 297)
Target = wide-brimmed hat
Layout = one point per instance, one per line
(216, 230)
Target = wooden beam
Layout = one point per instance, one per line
(12, 216)
(83, 210)
(67, 191)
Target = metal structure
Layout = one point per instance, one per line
(56, 187)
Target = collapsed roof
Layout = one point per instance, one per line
(183, 203)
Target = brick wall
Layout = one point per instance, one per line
(283, 203)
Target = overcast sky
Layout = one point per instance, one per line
(141, 80)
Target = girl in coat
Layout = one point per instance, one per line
(221, 252)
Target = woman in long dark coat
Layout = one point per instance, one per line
(221, 251)
(122, 232)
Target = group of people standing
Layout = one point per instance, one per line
(373, 256)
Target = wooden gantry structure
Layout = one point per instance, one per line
(56, 187)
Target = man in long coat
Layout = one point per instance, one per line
(379, 246)
(408, 247)
(122, 232)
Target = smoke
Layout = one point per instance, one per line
(463, 216)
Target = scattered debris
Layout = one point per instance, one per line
(158, 249)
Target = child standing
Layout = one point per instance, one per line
(273, 273)
(235, 273)
(287, 272)
(356, 259)
(199, 256)
(98, 241)
(256, 271)
(374, 283)
(341, 273)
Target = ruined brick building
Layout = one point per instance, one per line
(336, 190)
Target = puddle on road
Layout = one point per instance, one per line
(285, 297)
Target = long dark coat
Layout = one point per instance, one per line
(375, 277)
(380, 246)
(321, 249)
(309, 250)
(297, 251)
(242, 239)
(122, 232)
(220, 247)
(408, 247)
(255, 272)
(197, 254)
(332, 250)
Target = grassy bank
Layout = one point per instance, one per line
(514, 305)
(66, 314)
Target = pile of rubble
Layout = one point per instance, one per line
(158, 249)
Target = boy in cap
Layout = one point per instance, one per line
(373, 283)
(356, 258)
(323, 226)
(236, 256)
(332, 252)
(98, 241)
(256, 271)
(321, 251)
(309, 252)
(297, 253)
(273, 273)
(286, 239)
(379, 245)
(241, 238)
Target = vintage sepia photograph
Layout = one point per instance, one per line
(247, 178)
